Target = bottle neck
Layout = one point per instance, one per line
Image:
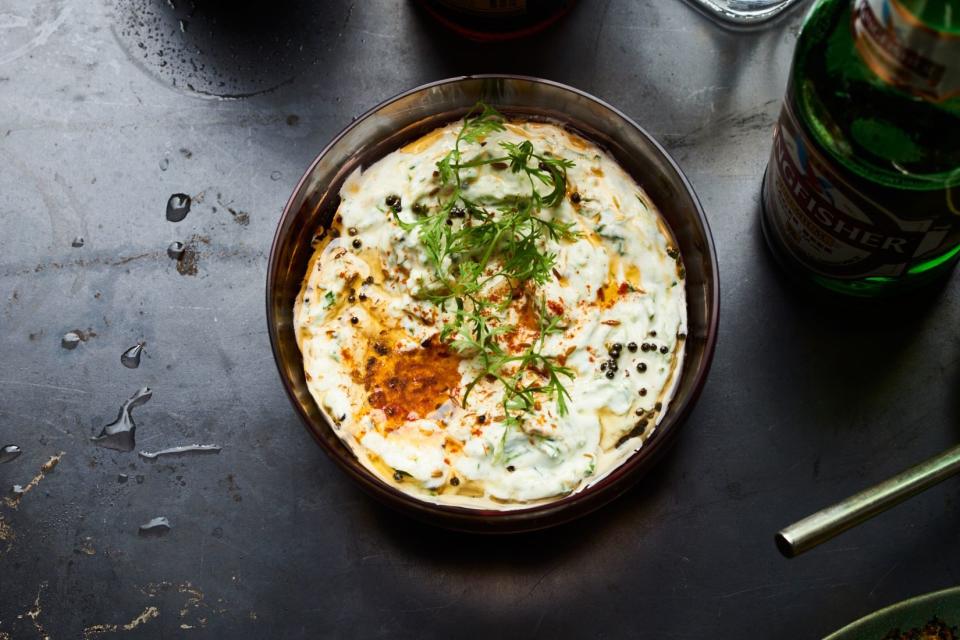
(913, 45)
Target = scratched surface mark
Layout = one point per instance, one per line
(806, 403)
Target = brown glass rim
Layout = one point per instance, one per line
(538, 516)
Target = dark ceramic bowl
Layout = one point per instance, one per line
(416, 112)
(941, 608)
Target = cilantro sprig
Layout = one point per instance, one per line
(476, 243)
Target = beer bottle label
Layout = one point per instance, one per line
(829, 225)
(904, 52)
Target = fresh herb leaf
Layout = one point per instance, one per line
(500, 241)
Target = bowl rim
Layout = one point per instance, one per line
(882, 616)
(618, 479)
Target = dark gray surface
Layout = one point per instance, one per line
(806, 403)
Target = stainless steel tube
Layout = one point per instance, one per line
(827, 523)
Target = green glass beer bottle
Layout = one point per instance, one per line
(862, 192)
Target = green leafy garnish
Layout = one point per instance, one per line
(591, 468)
(532, 371)
(477, 242)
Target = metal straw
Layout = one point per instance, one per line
(827, 523)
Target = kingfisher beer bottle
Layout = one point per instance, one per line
(862, 192)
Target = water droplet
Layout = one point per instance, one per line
(77, 242)
(182, 450)
(164, 163)
(155, 528)
(9, 452)
(131, 357)
(120, 434)
(183, 26)
(178, 206)
(275, 175)
(175, 250)
(122, 478)
(70, 340)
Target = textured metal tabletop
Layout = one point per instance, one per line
(108, 107)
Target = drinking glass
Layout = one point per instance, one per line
(743, 13)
